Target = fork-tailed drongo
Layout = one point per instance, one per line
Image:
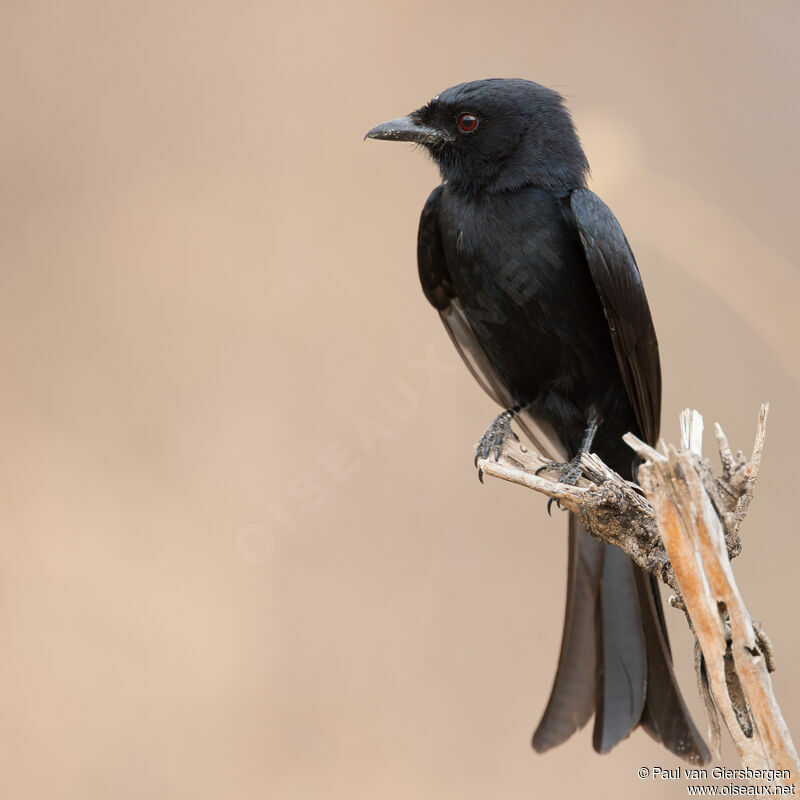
(539, 291)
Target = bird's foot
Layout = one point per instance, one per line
(566, 472)
(492, 441)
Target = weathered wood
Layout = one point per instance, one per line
(685, 530)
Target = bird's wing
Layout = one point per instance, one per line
(619, 285)
(438, 288)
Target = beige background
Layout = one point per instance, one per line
(245, 553)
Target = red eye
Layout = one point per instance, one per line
(467, 122)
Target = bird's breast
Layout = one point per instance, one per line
(516, 249)
(519, 270)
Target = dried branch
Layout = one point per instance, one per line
(685, 530)
(610, 507)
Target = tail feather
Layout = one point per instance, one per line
(665, 716)
(622, 688)
(615, 658)
(572, 700)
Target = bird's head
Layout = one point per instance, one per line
(495, 135)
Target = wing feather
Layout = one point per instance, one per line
(619, 286)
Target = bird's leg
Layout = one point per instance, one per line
(491, 443)
(570, 471)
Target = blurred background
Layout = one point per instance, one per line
(245, 552)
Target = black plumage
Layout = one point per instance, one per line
(540, 292)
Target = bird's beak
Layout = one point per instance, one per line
(406, 129)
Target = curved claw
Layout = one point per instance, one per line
(550, 505)
(569, 474)
(491, 443)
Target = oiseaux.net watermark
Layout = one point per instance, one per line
(340, 459)
(725, 782)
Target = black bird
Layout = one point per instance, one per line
(540, 293)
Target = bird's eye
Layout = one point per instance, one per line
(467, 122)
